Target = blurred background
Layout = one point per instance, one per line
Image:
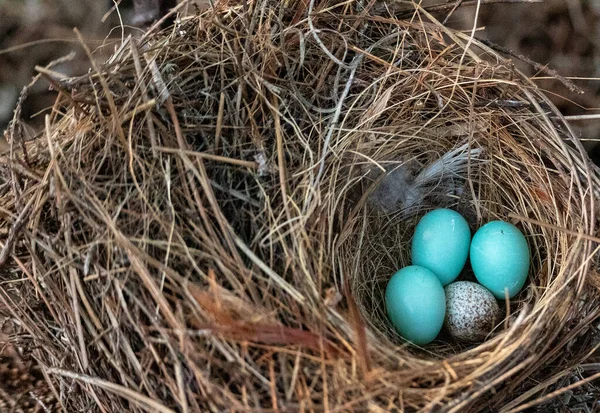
(563, 35)
(37, 32)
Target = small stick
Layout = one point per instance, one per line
(163, 19)
(15, 231)
(555, 228)
(456, 6)
(361, 334)
(442, 7)
(139, 71)
(48, 75)
(139, 399)
(210, 157)
(583, 117)
(537, 66)
(554, 394)
(139, 109)
(220, 116)
(106, 89)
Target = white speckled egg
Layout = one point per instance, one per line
(471, 311)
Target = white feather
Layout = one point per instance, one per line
(405, 191)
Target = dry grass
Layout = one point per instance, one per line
(191, 232)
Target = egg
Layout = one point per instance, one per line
(472, 311)
(416, 304)
(441, 243)
(500, 258)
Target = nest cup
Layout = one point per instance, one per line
(209, 220)
(376, 239)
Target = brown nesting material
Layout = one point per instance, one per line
(199, 227)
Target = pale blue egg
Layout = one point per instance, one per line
(416, 304)
(441, 243)
(500, 258)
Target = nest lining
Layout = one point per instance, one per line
(195, 229)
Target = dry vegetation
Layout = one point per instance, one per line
(190, 230)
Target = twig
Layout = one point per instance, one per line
(209, 156)
(583, 117)
(456, 6)
(47, 74)
(554, 394)
(555, 227)
(144, 402)
(444, 7)
(15, 231)
(539, 67)
(163, 19)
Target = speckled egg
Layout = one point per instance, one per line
(471, 311)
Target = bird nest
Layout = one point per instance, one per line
(209, 219)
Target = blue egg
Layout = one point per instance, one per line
(416, 304)
(441, 243)
(500, 258)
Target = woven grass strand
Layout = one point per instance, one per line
(198, 225)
